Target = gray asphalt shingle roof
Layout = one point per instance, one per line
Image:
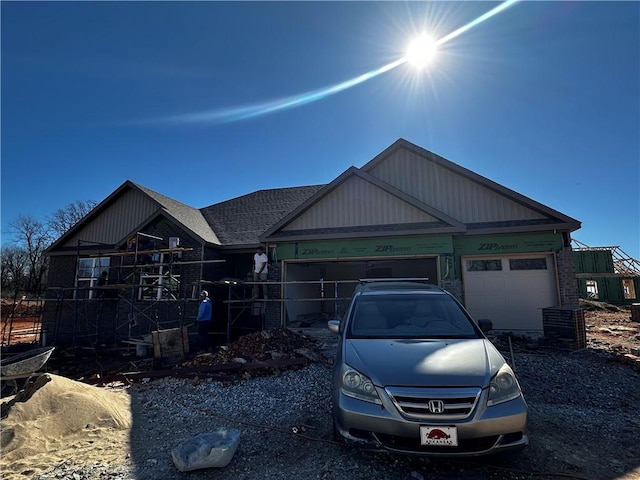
(190, 217)
(241, 220)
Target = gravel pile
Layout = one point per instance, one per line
(584, 423)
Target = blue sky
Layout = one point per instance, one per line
(543, 97)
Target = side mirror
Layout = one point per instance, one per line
(334, 326)
(485, 325)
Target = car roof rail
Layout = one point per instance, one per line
(397, 279)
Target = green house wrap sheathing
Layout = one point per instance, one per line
(593, 261)
(609, 289)
(365, 247)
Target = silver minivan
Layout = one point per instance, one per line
(415, 374)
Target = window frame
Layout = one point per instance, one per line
(90, 277)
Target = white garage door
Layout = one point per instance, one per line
(510, 291)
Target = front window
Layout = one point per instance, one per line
(409, 316)
(90, 270)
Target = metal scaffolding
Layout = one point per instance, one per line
(140, 284)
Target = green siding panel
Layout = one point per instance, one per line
(613, 289)
(506, 244)
(370, 247)
(593, 261)
(610, 289)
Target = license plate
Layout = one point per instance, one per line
(439, 436)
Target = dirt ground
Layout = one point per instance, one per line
(20, 323)
(613, 332)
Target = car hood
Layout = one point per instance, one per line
(468, 362)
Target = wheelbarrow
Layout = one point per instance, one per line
(22, 365)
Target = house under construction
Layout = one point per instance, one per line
(405, 213)
(606, 274)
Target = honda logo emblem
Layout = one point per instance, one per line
(436, 406)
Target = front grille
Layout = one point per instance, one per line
(416, 403)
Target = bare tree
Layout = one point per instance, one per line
(13, 267)
(34, 237)
(24, 265)
(64, 218)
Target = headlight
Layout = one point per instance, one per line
(503, 387)
(356, 385)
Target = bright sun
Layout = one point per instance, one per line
(421, 51)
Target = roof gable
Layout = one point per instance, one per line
(464, 195)
(355, 203)
(409, 190)
(403, 190)
(127, 210)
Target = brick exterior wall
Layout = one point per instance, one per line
(108, 321)
(273, 310)
(564, 328)
(62, 273)
(120, 315)
(564, 325)
(569, 294)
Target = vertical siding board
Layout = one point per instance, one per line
(358, 203)
(117, 220)
(448, 191)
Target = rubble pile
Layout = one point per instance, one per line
(263, 346)
(594, 306)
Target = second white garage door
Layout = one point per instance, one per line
(510, 291)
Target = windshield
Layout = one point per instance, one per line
(409, 316)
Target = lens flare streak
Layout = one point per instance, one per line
(242, 113)
(473, 23)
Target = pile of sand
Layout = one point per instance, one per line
(56, 419)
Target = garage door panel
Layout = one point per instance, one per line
(488, 305)
(511, 299)
(493, 282)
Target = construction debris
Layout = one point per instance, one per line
(257, 354)
(266, 345)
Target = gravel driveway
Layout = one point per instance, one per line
(584, 424)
